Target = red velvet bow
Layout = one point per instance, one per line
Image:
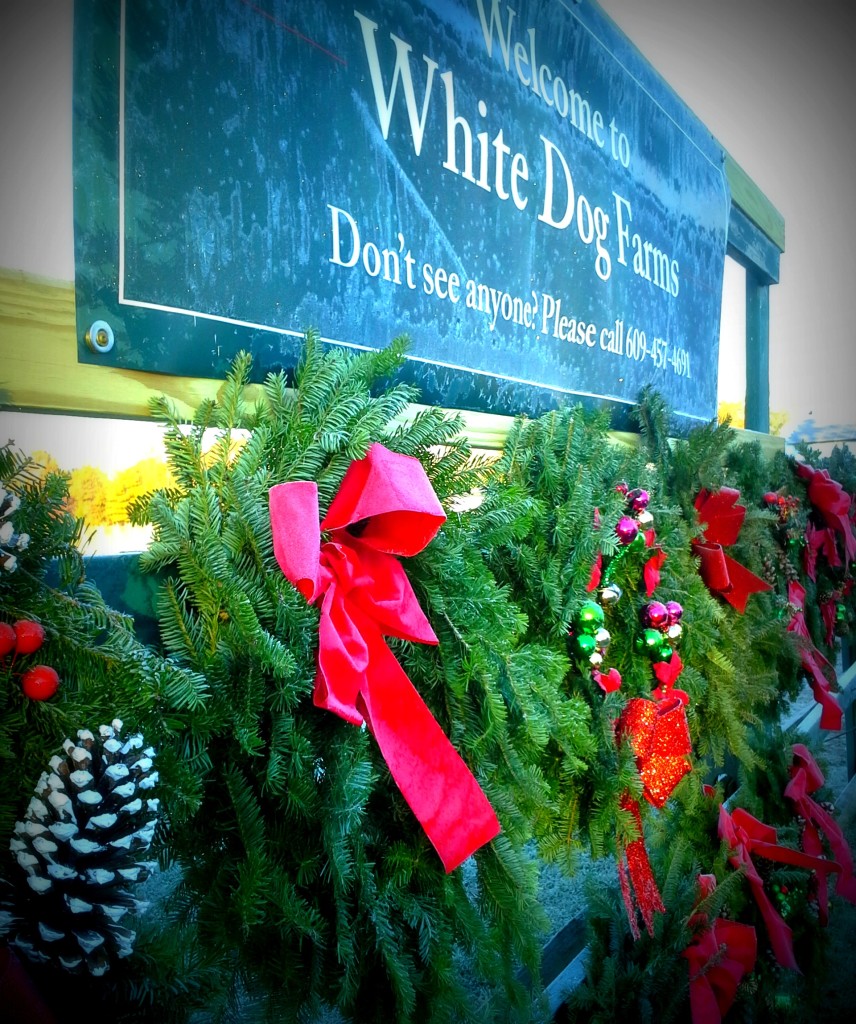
(829, 616)
(833, 503)
(718, 956)
(807, 778)
(814, 662)
(746, 835)
(385, 506)
(815, 542)
(722, 574)
(660, 739)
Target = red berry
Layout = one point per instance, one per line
(40, 682)
(7, 639)
(29, 636)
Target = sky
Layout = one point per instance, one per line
(775, 83)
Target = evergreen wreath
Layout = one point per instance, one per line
(299, 859)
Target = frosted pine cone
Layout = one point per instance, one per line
(10, 541)
(92, 816)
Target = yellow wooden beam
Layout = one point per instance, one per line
(39, 371)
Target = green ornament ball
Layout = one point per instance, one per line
(586, 644)
(650, 640)
(590, 616)
(664, 652)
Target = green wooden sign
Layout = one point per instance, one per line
(509, 185)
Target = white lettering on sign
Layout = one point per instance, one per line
(485, 157)
(548, 317)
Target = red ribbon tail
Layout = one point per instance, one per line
(712, 566)
(831, 714)
(845, 884)
(827, 614)
(651, 572)
(596, 572)
(725, 576)
(848, 536)
(812, 845)
(743, 584)
(781, 937)
(704, 1006)
(433, 778)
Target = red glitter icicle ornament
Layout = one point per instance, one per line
(660, 739)
(633, 862)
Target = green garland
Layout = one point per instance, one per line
(296, 880)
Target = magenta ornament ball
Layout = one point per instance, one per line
(675, 611)
(640, 500)
(655, 614)
(627, 529)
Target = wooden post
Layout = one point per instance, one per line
(757, 416)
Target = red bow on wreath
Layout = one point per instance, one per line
(833, 503)
(815, 542)
(813, 661)
(385, 507)
(722, 574)
(746, 835)
(807, 778)
(719, 955)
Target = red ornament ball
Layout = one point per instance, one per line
(40, 682)
(7, 639)
(29, 636)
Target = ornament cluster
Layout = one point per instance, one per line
(590, 635)
(661, 627)
(630, 531)
(92, 816)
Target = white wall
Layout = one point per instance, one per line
(36, 226)
(775, 83)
